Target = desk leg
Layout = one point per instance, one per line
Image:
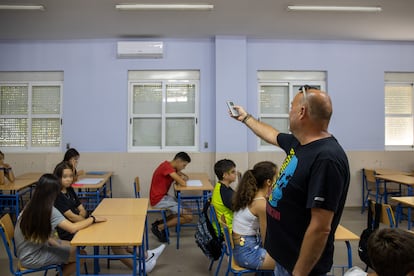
(78, 254)
(377, 187)
(96, 260)
(17, 204)
(385, 193)
(348, 245)
(178, 227)
(363, 192)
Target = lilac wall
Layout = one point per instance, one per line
(96, 93)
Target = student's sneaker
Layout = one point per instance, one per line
(150, 263)
(156, 251)
(159, 234)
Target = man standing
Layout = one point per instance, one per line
(307, 200)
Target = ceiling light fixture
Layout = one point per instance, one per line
(161, 7)
(334, 8)
(23, 7)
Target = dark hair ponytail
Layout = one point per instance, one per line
(252, 181)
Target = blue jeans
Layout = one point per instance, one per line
(251, 254)
(281, 271)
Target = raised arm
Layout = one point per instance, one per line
(262, 130)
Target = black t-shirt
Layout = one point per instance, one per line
(315, 175)
(65, 202)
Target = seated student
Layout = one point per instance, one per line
(164, 175)
(72, 157)
(221, 199)
(68, 203)
(391, 252)
(249, 218)
(5, 170)
(35, 244)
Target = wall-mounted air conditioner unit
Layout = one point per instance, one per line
(140, 49)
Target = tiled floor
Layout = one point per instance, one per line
(189, 260)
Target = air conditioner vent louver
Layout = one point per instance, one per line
(140, 49)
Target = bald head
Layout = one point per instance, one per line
(319, 105)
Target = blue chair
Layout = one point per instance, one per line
(163, 212)
(373, 189)
(233, 267)
(7, 234)
(214, 220)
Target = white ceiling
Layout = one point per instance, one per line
(86, 19)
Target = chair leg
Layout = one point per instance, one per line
(166, 230)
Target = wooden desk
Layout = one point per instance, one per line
(129, 206)
(205, 187)
(404, 200)
(94, 193)
(391, 171)
(121, 229)
(343, 234)
(20, 186)
(396, 178)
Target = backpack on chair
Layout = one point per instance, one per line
(206, 237)
(371, 227)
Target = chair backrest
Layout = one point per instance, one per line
(137, 188)
(227, 235)
(214, 220)
(386, 216)
(369, 176)
(7, 234)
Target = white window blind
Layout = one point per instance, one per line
(163, 110)
(276, 92)
(398, 103)
(30, 110)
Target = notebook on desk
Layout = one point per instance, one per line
(96, 172)
(194, 183)
(87, 181)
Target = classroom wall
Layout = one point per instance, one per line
(96, 98)
(126, 166)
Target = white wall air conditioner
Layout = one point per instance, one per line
(140, 49)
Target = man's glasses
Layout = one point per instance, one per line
(305, 89)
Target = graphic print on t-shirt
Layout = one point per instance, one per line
(286, 171)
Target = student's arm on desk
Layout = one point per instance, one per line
(74, 217)
(314, 241)
(73, 227)
(178, 179)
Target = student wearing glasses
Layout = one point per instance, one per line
(307, 200)
(221, 199)
(5, 170)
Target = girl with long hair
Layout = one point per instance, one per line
(36, 245)
(249, 218)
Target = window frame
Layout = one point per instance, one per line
(30, 116)
(411, 116)
(288, 79)
(163, 115)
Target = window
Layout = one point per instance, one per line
(276, 91)
(398, 102)
(31, 110)
(163, 110)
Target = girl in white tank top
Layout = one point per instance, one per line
(249, 220)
